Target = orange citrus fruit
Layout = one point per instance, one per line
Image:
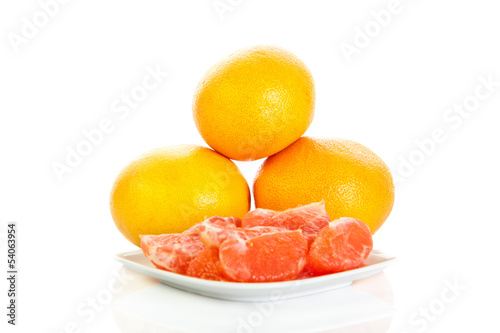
(343, 244)
(254, 103)
(168, 190)
(353, 180)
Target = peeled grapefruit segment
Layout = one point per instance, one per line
(305, 274)
(279, 256)
(206, 265)
(343, 244)
(257, 217)
(253, 232)
(215, 230)
(214, 221)
(309, 219)
(171, 252)
(213, 236)
(223, 222)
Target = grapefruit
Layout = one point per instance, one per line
(213, 236)
(257, 217)
(342, 245)
(352, 180)
(309, 219)
(171, 252)
(254, 103)
(206, 265)
(168, 190)
(272, 257)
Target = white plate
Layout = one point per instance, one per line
(268, 291)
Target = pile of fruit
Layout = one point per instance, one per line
(186, 201)
(264, 246)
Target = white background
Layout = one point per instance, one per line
(394, 91)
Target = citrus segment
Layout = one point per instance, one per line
(257, 217)
(213, 236)
(305, 274)
(171, 252)
(309, 219)
(216, 222)
(272, 257)
(206, 265)
(214, 230)
(343, 244)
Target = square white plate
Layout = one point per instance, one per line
(268, 291)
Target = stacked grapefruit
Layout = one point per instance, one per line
(188, 206)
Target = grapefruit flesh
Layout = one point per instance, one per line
(168, 190)
(272, 257)
(342, 245)
(257, 217)
(305, 274)
(216, 222)
(265, 246)
(171, 252)
(206, 265)
(309, 219)
(215, 230)
(213, 236)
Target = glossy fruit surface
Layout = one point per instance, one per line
(342, 245)
(206, 265)
(309, 219)
(171, 252)
(272, 257)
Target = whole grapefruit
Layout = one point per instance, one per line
(353, 180)
(170, 189)
(254, 103)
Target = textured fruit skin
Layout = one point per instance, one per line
(254, 103)
(342, 245)
(351, 179)
(170, 189)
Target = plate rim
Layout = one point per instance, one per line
(179, 278)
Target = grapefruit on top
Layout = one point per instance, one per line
(254, 103)
(352, 180)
